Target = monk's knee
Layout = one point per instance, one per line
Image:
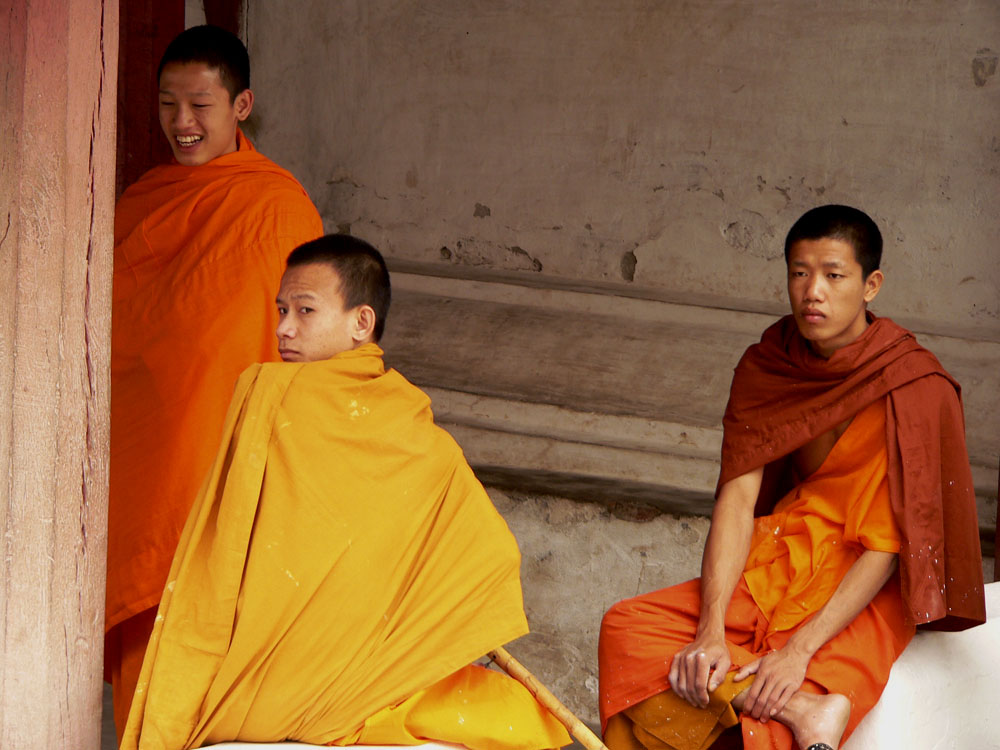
(618, 615)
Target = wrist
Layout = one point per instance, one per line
(801, 644)
(710, 628)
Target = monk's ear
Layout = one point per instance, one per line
(364, 324)
(243, 104)
(872, 285)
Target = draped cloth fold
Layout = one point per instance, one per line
(798, 556)
(897, 480)
(783, 395)
(340, 558)
(199, 253)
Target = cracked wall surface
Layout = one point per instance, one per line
(577, 560)
(664, 145)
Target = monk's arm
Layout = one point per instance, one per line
(701, 666)
(781, 673)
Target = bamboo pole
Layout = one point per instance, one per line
(577, 728)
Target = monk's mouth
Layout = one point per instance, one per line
(186, 141)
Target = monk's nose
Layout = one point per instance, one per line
(285, 330)
(182, 116)
(814, 290)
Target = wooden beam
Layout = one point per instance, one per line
(57, 137)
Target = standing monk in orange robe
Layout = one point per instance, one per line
(199, 249)
(800, 612)
(342, 566)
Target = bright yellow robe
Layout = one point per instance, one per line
(340, 558)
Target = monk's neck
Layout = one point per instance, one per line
(827, 349)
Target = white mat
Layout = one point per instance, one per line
(943, 693)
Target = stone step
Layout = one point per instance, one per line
(589, 394)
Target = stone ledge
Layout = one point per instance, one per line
(560, 423)
(710, 303)
(629, 465)
(593, 396)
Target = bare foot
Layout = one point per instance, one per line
(820, 718)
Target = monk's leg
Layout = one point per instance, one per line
(857, 661)
(644, 635)
(668, 721)
(812, 718)
(639, 637)
(126, 646)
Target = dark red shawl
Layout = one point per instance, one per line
(783, 395)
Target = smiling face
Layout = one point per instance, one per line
(829, 293)
(313, 323)
(197, 115)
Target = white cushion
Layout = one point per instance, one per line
(942, 692)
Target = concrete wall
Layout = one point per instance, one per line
(577, 560)
(666, 145)
(584, 204)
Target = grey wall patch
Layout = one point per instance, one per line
(984, 66)
(628, 265)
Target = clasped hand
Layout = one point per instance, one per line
(699, 668)
(779, 675)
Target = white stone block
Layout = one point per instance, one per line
(942, 693)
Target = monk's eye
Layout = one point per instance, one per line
(282, 311)
(305, 310)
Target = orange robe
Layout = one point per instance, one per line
(782, 397)
(341, 568)
(199, 253)
(798, 556)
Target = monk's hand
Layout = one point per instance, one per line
(779, 675)
(699, 668)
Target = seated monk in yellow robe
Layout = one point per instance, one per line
(799, 614)
(342, 566)
(200, 246)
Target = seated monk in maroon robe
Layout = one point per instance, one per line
(803, 604)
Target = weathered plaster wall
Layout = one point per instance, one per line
(577, 560)
(643, 155)
(665, 145)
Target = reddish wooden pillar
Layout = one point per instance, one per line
(57, 137)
